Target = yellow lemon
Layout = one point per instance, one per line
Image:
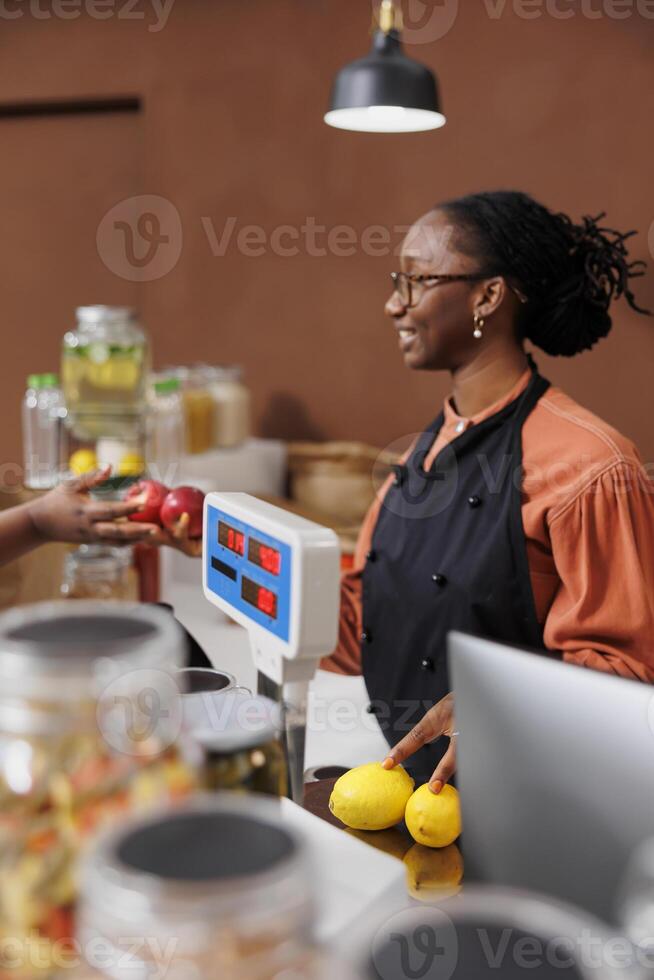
(393, 841)
(432, 874)
(131, 464)
(83, 461)
(434, 820)
(371, 797)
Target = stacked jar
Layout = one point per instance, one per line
(89, 725)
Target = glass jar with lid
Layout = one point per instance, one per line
(232, 406)
(166, 429)
(90, 718)
(105, 362)
(240, 735)
(221, 889)
(97, 571)
(198, 407)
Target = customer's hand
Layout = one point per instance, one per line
(438, 721)
(69, 513)
(178, 538)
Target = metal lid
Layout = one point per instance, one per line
(104, 314)
(64, 651)
(225, 722)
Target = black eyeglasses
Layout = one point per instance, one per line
(410, 288)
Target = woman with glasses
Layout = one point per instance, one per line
(517, 514)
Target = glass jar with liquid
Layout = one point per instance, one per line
(105, 362)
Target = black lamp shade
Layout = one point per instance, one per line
(385, 92)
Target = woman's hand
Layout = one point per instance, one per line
(69, 513)
(438, 721)
(178, 538)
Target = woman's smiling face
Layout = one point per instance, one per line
(437, 332)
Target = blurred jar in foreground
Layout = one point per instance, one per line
(239, 734)
(232, 406)
(89, 722)
(636, 902)
(220, 889)
(96, 571)
(43, 413)
(198, 408)
(166, 436)
(105, 361)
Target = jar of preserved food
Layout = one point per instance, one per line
(198, 408)
(221, 889)
(240, 735)
(232, 406)
(89, 722)
(105, 363)
(97, 571)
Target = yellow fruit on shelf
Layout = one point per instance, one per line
(433, 873)
(370, 797)
(131, 464)
(434, 819)
(83, 461)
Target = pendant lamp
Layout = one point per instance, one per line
(385, 92)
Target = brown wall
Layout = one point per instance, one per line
(231, 126)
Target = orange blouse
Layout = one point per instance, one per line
(588, 517)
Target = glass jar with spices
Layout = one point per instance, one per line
(232, 403)
(90, 718)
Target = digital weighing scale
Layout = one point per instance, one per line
(278, 575)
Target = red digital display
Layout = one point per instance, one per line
(230, 538)
(260, 597)
(264, 556)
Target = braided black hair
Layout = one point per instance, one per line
(568, 273)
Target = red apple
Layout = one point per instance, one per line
(152, 495)
(184, 500)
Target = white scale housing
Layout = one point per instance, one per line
(278, 575)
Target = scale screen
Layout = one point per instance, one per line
(250, 570)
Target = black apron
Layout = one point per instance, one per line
(448, 553)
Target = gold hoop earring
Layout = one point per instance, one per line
(479, 324)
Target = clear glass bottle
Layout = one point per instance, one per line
(96, 571)
(166, 435)
(221, 888)
(105, 363)
(90, 718)
(43, 413)
(232, 405)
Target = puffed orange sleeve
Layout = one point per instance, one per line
(602, 614)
